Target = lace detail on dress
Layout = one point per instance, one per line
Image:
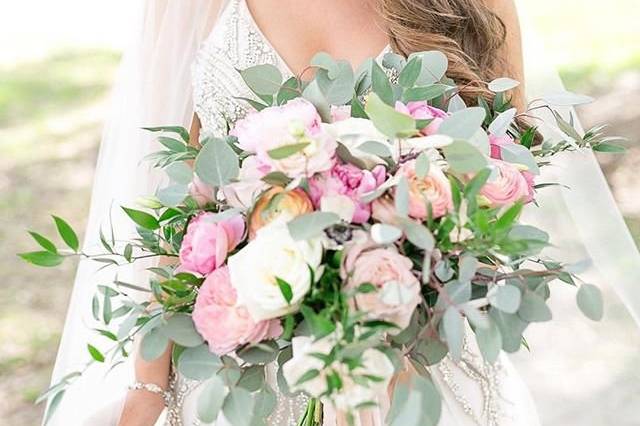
(235, 43)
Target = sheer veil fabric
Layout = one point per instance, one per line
(154, 88)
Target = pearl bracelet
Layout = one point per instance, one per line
(153, 388)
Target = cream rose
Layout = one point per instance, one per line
(272, 254)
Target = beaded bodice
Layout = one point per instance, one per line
(236, 42)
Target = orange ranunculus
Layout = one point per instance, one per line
(276, 203)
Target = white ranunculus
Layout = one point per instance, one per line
(273, 253)
(353, 132)
(353, 392)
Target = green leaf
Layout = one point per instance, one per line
(467, 266)
(611, 148)
(505, 297)
(380, 84)
(533, 308)
(418, 234)
(511, 328)
(217, 163)
(53, 404)
(431, 351)
(434, 67)
(285, 289)
(489, 341)
(172, 144)
(376, 148)
(410, 72)
(464, 157)
(180, 329)
(290, 90)
(453, 326)
(153, 344)
(264, 79)
(44, 242)
(345, 155)
(309, 375)
(211, 399)
(475, 185)
(387, 120)
(276, 179)
(589, 298)
(42, 258)
(95, 353)
(508, 217)
(265, 401)
(567, 99)
(252, 378)
(180, 172)
(238, 407)
(382, 233)
(503, 84)
(198, 363)
(402, 197)
(519, 154)
(142, 219)
(463, 124)
(181, 131)
(173, 195)
(314, 94)
(326, 62)
(262, 353)
(502, 122)
(422, 166)
(67, 233)
(425, 93)
(337, 90)
(311, 225)
(287, 150)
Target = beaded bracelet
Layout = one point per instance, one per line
(153, 388)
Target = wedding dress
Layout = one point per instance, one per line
(475, 393)
(158, 69)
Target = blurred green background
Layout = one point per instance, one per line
(55, 72)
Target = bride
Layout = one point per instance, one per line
(183, 70)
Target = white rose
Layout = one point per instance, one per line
(353, 132)
(273, 253)
(353, 392)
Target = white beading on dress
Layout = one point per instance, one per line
(474, 393)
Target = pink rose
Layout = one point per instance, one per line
(224, 324)
(207, 242)
(508, 187)
(201, 192)
(397, 290)
(530, 178)
(296, 122)
(348, 180)
(432, 191)
(497, 142)
(421, 110)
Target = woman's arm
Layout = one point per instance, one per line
(141, 407)
(512, 50)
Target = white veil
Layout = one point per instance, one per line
(154, 88)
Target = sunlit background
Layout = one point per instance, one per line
(57, 61)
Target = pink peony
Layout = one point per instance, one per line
(508, 187)
(431, 192)
(530, 178)
(224, 324)
(348, 180)
(296, 122)
(397, 290)
(420, 110)
(207, 242)
(497, 142)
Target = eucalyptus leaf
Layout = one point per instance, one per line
(376, 148)
(533, 308)
(314, 94)
(453, 326)
(464, 157)
(589, 298)
(463, 124)
(503, 84)
(180, 329)
(311, 225)
(252, 378)
(501, 123)
(410, 72)
(153, 344)
(198, 363)
(179, 172)
(505, 297)
(217, 163)
(238, 407)
(338, 90)
(265, 401)
(385, 234)
(434, 66)
(422, 165)
(511, 328)
(419, 235)
(425, 93)
(264, 79)
(387, 120)
(456, 103)
(489, 341)
(326, 62)
(519, 154)
(402, 197)
(173, 195)
(259, 354)
(211, 399)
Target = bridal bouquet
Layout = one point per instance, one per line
(350, 228)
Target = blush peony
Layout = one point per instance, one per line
(207, 242)
(350, 181)
(223, 323)
(296, 122)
